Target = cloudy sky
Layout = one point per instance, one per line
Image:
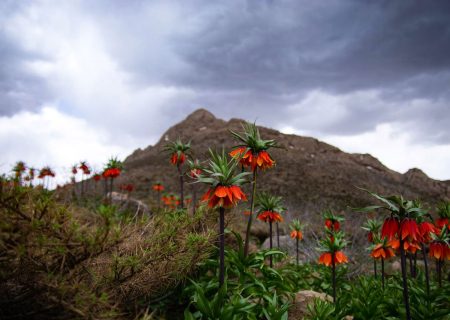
(89, 79)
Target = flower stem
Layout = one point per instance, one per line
(111, 190)
(411, 267)
(382, 272)
(439, 272)
(222, 245)
(250, 217)
(375, 267)
(181, 186)
(427, 275)
(297, 249)
(194, 198)
(405, 283)
(278, 236)
(333, 275)
(271, 246)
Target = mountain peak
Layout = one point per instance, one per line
(201, 115)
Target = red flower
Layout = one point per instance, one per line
(441, 222)
(270, 216)
(84, 167)
(97, 177)
(177, 158)
(332, 225)
(390, 228)
(370, 236)
(327, 258)
(74, 170)
(439, 250)
(412, 246)
(224, 196)
(410, 230)
(194, 173)
(381, 251)
(158, 187)
(127, 187)
(425, 229)
(111, 173)
(296, 235)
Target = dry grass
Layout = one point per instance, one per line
(63, 261)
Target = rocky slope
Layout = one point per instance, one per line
(310, 174)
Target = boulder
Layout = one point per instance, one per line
(302, 299)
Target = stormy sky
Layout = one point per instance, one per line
(84, 80)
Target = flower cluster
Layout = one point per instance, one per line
(252, 152)
(224, 196)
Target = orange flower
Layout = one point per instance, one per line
(224, 196)
(327, 258)
(410, 230)
(244, 154)
(411, 246)
(177, 158)
(390, 228)
(247, 212)
(439, 250)
(261, 159)
(296, 235)
(394, 244)
(381, 251)
(270, 216)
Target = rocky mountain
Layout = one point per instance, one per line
(311, 175)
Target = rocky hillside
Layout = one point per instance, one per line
(310, 174)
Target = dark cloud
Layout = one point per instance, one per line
(262, 59)
(300, 45)
(19, 89)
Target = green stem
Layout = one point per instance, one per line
(382, 272)
(250, 217)
(297, 249)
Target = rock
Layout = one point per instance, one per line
(122, 201)
(299, 308)
(395, 267)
